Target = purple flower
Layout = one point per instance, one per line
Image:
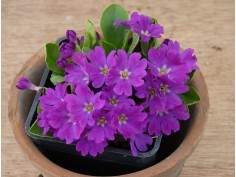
(76, 73)
(190, 59)
(43, 121)
(140, 142)
(71, 36)
(86, 146)
(142, 25)
(128, 71)
(25, 84)
(100, 65)
(83, 104)
(168, 90)
(113, 100)
(165, 42)
(167, 120)
(129, 120)
(67, 49)
(80, 59)
(166, 62)
(62, 62)
(188, 54)
(102, 128)
(149, 90)
(55, 115)
(53, 98)
(64, 126)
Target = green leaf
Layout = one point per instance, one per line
(108, 47)
(37, 131)
(191, 97)
(144, 47)
(134, 43)
(114, 34)
(126, 40)
(91, 31)
(190, 76)
(154, 43)
(154, 21)
(78, 48)
(87, 41)
(55, 78)
(85, 50)
(39, 109)
(51, 56)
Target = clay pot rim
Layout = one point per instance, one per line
(41, 162)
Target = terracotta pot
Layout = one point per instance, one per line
(169, 166)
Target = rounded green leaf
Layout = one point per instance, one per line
(191, 97)
(114, 34)
(55, 78)
(108, 47)
(51, 56)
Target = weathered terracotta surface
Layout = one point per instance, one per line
(19, 105)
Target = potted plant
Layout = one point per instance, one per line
(109, 99)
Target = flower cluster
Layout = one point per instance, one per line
(106, 94)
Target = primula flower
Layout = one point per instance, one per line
(99, 66)
(149, 90)
(168, 90)
(167, 120)
(102, 129)
(64, 126)
(62, 62)
(142, 25)
(55, 115)
(76, 72)
(113, 100)
(128, 71)
(53, 98)
(43, 121)
(188, 54)
(71, 36)
(25, 84)
(67, 49)
(168, 62)
(129, 120)
(83, 104)
(140, 142)
(86, 146)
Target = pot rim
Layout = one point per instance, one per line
(48, 167)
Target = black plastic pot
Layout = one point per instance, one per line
(113, 155)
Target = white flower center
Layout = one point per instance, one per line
(122, 119)
(161, 113)
(104, 70)
(125, 74)
(88, 107)
(146, 33)
(164, 70)
(164, 89)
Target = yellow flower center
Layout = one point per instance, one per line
(102, 120)
(113, 101)
(124, 74)
(89, 107)
(152, 92)
(164, 89)
(122, 118)
(104, 71)
(162, 72)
